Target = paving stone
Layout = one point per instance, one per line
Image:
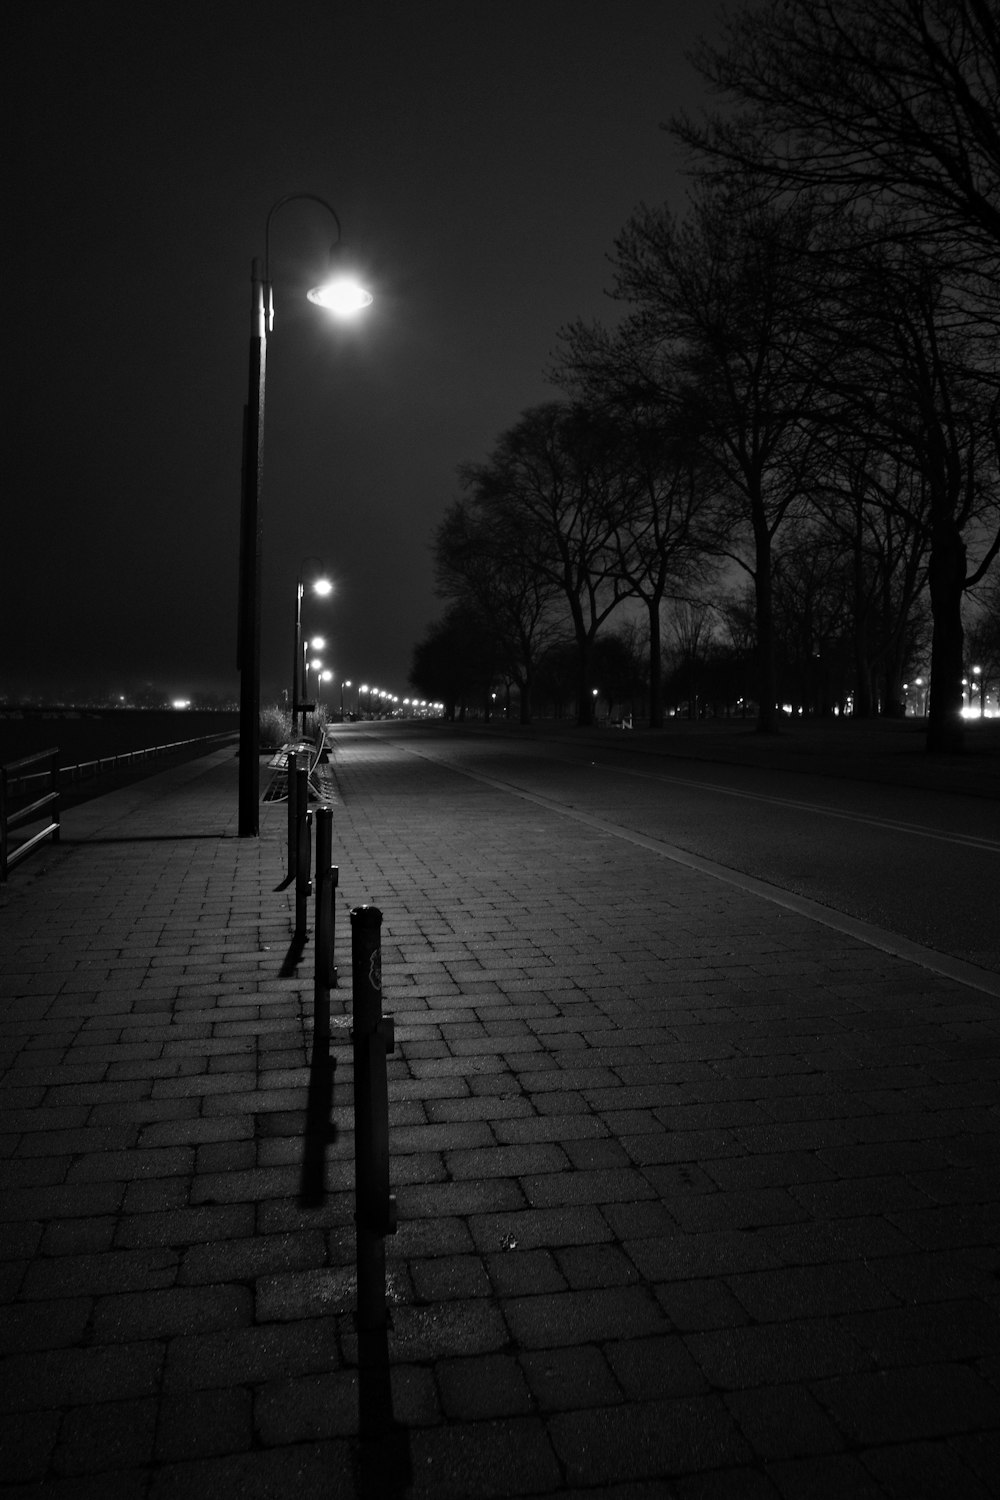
(508, 1457)
(642, 1439)
(809, 1291)
(903, 1405)
(447, 1277)
(580, 1317)
(931, 1469)
(27, 1441)
(828, 1477)
(460, 1326)
(249, 1355)
(44, 1325)
(52, 1378)
(595, 1265)
(309, 1471)
(111, 1435)
(76, 1275)
(204, 1425)
(307, 1409)
(483, 1388)
(736, 1358)
(567, 1379)
(784, 1421)
(162, 1314)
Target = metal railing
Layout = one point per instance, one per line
(17, 782)
(109, 763)
(42, 809)
(86, 770)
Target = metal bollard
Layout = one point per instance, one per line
(303, 851)
(373, 1038)
(291, 765)
(325, 973)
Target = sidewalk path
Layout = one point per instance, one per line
(696, 1197)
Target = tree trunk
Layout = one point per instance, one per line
(894, 706)
(946, 574)
(767, 676)
(864, 697)
(584, 697)
(655, 666)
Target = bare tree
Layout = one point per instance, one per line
(888, 111)
(983, 642)
(666, 535)
(912, 367)
(556, 482)
(720, 298)
(479, 559)
(875, 504)
(691, 626)
(894, 102)
(456, 660)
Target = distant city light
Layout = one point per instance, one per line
(181, 703)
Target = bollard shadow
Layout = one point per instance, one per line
(290, 962)
(320, 1131)
(383, 1463)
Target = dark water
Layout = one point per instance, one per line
(87, 734)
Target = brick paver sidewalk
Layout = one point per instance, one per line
(696, 1197)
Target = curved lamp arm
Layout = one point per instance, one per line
(341, 293)
(292, 198)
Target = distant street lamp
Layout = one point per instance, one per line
(322, 587)
(344, 297)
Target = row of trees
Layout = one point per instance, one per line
(802, 391)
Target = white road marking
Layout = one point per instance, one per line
(865, 932)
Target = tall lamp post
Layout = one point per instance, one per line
(322, 587)
(343, 296)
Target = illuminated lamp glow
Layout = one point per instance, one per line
(341, 295)
(322, 586)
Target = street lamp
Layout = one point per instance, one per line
(322, 587)
(344, 298)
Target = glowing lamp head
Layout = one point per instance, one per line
(342, 295)
(322, 586)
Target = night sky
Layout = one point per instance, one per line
(481, 154)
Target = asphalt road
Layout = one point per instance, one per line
(922, 865)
